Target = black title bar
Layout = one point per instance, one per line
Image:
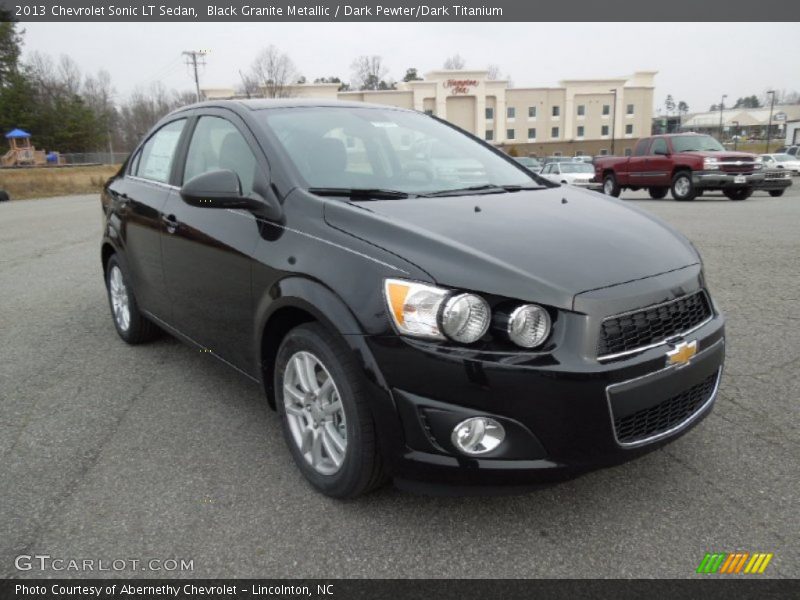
(401, 10)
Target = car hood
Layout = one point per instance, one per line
(726, 155)
(545, 246)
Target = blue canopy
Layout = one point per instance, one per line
(17, 133)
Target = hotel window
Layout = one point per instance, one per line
(531, 112)
(604, 130)
(554, 132)
(489, 135)
(556, 111)
(579, 153)
(606, 110)
(627, 151)
(511, 112)
(429, 111)
(510, 134)
(581, 110)
(629, 110)
(629, 129)
(604, 152)
(580, 130)
(556, 153)
(489, 114)
(532, 133)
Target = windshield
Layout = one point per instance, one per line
(696, 143)
(390, 150)
(576, 168)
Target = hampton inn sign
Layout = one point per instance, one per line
(574, 118)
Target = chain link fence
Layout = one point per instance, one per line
(96, 158)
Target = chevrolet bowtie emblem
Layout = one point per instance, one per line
(682, 353)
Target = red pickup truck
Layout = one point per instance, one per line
(685, 164)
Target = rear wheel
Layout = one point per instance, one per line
(324, 412)
(657, 193)
(740, 193)
(682, 186)
(610, 186)
(776, 193)
(132, 326)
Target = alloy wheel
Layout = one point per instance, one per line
(682, 186)
(315, 413)
(119, 298)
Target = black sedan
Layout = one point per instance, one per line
(405, 321)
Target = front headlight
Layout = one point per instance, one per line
(759, 163)
(710, 163)
(426, 311)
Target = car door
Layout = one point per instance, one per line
(208, 251)
(139, 198)
(659, 164)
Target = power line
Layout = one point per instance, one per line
(195, 58)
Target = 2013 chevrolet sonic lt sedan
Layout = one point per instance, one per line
(416, 305)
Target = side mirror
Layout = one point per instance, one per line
(216, 189)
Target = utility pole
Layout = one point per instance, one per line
(721, 108)
(769, 127)
(195, 58)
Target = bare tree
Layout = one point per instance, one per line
(249, 86)
(493, 72)
(368, 73)
(454, 63)
(274, 71)
(69, 74)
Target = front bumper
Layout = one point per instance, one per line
(721, 179)
(776, 183)
(588, 185)
(559, 415)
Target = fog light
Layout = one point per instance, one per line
(478, 435)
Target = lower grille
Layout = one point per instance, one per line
(666, 415)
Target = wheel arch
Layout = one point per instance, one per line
(297, 300)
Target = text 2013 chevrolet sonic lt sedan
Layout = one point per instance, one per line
(448, 319)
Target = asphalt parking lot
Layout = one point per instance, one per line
(116, 452)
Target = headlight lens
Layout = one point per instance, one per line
(465, 318)
(529, 325)
(414, 307)
(710, 163)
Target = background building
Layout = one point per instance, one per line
(579, 117)
(744, 122)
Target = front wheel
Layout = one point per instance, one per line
(657, 193)
(323, 407)
(610, 186)
(776, 193)
(683, 187)
(740, 193)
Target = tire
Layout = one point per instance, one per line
(340, 473)
(657, 193)
(739, 193)
(4, 197)
(134, 328)
(776, 193)
(610, 186)
(682, 187)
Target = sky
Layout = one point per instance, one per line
(696, 62)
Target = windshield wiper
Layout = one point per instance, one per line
(360, 193)
(486, 188)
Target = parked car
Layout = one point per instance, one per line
(556, 159)
(584, 158)
(776, 181)
(791, 150)
(529, 163)
(782, 161)
(683, 163)
(573, 173)
(432, 331)
(433, 160)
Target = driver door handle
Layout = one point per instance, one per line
(171, 223)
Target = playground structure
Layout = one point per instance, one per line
(21, 152)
